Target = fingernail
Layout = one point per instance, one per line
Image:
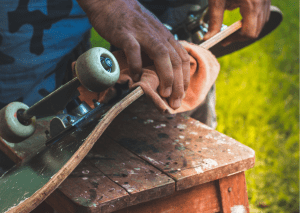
(167, 92)
(176, 103)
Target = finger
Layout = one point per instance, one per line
(260, 23)
(177, 87)
(132, 50)
(263, 16)
(185, 58)
(267, 13)
(159, 53)
(216, 11)
(249, 22)
(240, 35)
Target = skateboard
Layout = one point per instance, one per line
(60, 130)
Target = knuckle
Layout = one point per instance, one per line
(133, 46)
(176, 61)
(181, 93)
(185, 57)
(178, 94)
(168, 79)
(186, 81)
(256, 2)
(160, 49)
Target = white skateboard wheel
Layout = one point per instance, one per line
(10, 128)
(97, 69)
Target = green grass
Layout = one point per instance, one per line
(257, 104)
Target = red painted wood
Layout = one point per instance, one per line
(233, 191)
(199, 199)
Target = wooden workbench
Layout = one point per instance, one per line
(148, 162)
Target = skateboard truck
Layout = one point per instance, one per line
(194, 27)
(97, 69)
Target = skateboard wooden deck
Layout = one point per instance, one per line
(28, 183)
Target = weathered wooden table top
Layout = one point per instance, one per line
(144, 155)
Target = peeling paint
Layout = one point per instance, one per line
(152, 160)
(199, 170)
(209, 163)
(148, 121)
(16, 205)
(238, 209)
(85, 172)
(160, 126)
(199, 124)
(193, 133)
(221, 142)
(131, 172)
(84, 202)
(181, 126)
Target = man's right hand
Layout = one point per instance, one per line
(127, 25)
(255, 14)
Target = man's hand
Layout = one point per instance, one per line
(129, 26)
(255, 14)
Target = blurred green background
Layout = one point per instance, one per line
(257, 104)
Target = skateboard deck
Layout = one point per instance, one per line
(28, 183)
(38, 174)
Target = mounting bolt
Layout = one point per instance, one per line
(106, 63)
(96, 103)
(229, 189)
(70, 120)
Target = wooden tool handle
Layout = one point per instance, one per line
(221, 35)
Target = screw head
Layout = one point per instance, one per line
(229, 189)
(106, 63)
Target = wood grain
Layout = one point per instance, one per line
(139, 180)
(60, 176)
(199, 199)
(137, 136)
(87, 187)
(185, 149)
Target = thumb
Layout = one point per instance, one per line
(216, 12)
